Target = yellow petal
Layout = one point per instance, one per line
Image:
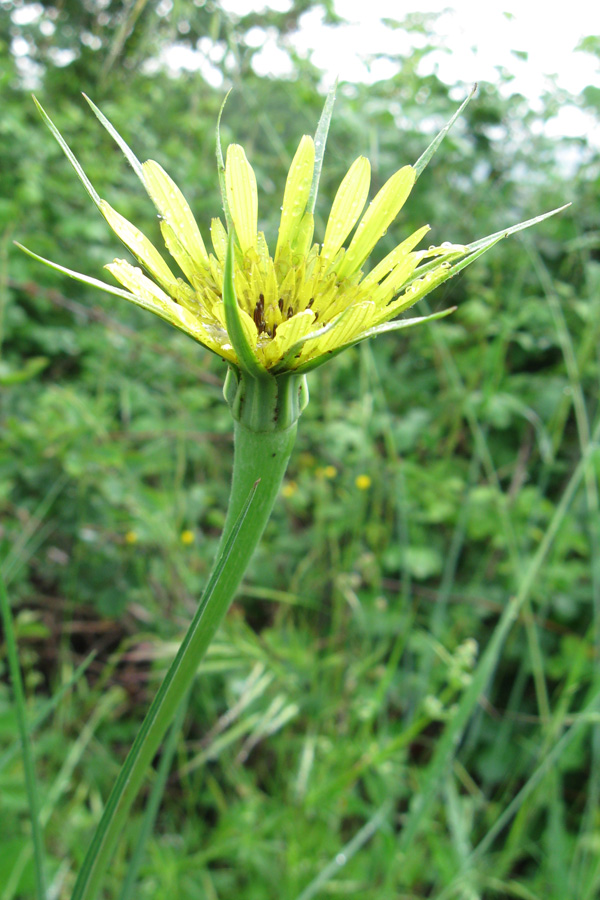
(132, 278)
(188, 266)
(417, 289)
(287, 334)
(347, 206)
(392, 259)
(175, 211)
(218, 236)
(382, 210)
(349, 325)
(139, 245)
(242, 196)
(399, 275)
(151, 297)
(304, 235)
(250, 330)
(297, 189)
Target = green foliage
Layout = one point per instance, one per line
(357, 631)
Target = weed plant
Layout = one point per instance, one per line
(437, 479)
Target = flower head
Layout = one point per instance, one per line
(291, 309)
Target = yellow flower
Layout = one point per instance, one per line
(131, 537)
(362, 482)
(187, 537)
(291, 310)
(325, 472)
(289, 489)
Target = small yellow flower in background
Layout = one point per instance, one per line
(328, 472)
(131, 537)
(187, 537)
(289, 489)
(291, 310)
(363, 482)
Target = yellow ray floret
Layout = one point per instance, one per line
(177, 218)
(296, 193)
(242, 196)
(293, 310)
(348, 204)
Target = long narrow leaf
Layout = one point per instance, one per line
(395, 325)
(221, 167)
(235, 329)
(47, 708)
(69, 154)
(455, 729)
(127, 151)
(425, 157)
(160, 714)
(320, 143)
(153, 804)
(93, 282)
(28, 764)
(521, 226)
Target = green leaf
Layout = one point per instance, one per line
(221, 167)
(320, 143)
(425, 157)
(69, 154)
(127, 151)
(235, 328)
(28, 762)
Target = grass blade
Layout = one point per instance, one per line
(161, 712)
(455, 730)
(347, 852)
(46, 709)
(320, 142)
(152, 807)
(28, 765)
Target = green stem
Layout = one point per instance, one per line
(28, 764)
(260, 461)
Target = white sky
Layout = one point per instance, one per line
(480, 35)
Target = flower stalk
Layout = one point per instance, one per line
(260, 462)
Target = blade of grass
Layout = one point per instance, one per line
(347, 852)
(152, 807)
(14, 557)
(592, 498)
(28, 764)
(588, 716)
(107, 702)
(484, 454)
(161, 711)
(454, 732)
(46, 709)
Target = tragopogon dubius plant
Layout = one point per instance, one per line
(273, 315)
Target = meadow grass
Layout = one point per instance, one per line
(403, 701)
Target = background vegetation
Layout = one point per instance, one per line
(315, 720)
